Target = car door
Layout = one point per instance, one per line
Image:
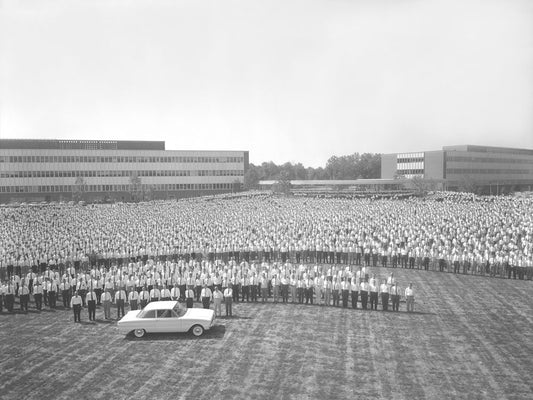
(167, 321)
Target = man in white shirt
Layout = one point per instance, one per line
(75, 303)
(133, 299)
(206, 296)
(384, 290)
(217, 299)
(120, 300)
(106, 301)
(91, 303)
(410, 298)
(228, 299)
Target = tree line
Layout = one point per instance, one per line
(353, 166)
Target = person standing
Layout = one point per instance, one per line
(175, 293)
(155, 294)
(309, 290)
(264, 288)
(384, 290)
(52, 290)
(373, 288)
(64, 287)
(165, 294)
(10, 296)
(189, 297)
(24, 298)
(206, 296)
(276, 284)
(133, 299)
(410, 298)
(38, 295)
(336, 290)
(106, 301)
(355, 291)
(144, 297)
(91, 303)
(345, 287)
(217, 299)
(395, 296)
(120, 300)
(228, 299)
(363, 290)
(327, 290)
(75, 304)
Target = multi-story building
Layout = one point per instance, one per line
(490, 170)
(93, 170)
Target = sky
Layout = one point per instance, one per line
(287, 80)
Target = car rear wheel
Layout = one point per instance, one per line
(197, 330)
(139, 332)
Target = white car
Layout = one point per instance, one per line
(166, 316)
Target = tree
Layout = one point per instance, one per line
(251, 178)
(283, 184)
(422, 185)
(135, 187)
(236, 186)
(467, 184)
(79, 189)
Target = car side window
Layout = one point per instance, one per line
(163, 314)
(149, 314)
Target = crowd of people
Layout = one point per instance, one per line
(295, 239)
(207, 284)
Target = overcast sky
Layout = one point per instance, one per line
(288, 80)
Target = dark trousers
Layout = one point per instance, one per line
(335, 298)
(228, 301)
(253, 290)
(300, 292)
(355, 295)
(373, 300)
(385, 301)
(120, 308)
(91, 305)
(246, 293)
(364, 299)
(345, 298)
(77, 312)
(65, 296)
(309, 295)
(52, 299)
(395, 302)
(205, 302)
(38, 301)
(24, 298)
(10, 302)
(285, 293)
(189, 302)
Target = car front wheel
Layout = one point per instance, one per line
(197, 330)
(139, 332)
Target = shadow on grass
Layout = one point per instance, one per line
(234, 317)
(216, 332)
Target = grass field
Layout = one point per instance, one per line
(470, 337)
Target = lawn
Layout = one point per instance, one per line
(470, 337)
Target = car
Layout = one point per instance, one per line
(166, 316)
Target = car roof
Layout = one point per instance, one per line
(160, 305)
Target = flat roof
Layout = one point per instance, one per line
(355, 182)
(65, 144)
